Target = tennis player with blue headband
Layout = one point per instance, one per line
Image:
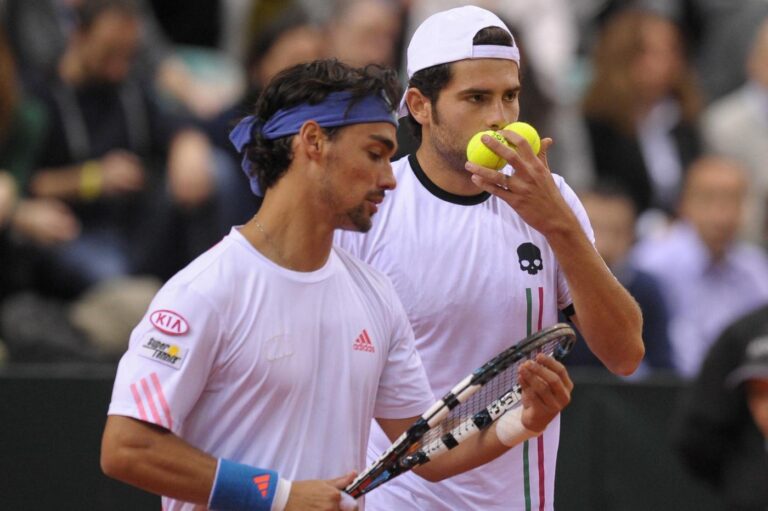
(252, 381)
(336, 110)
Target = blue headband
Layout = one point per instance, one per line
(335, 110)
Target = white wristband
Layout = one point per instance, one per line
(282, 492)
(348, 503)
(510, 429)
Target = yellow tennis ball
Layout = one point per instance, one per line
(479, 153)
(528, 132)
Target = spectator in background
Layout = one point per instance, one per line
(105, 154)
(613, 216)
(38, 32)
(641, 108)
(291, 39)
(362, 32)
(725, 32)
(708, 277)
(716, 436)
(737, 126)
(198, 23)
(23, 221)
(34, 329)
(288, 40)
(752, 375)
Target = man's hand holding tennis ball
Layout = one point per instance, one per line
(530, 190)
(479, 153)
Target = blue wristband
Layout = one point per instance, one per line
(239, 487)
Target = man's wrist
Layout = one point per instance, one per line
(239, 487)
(282, 492)
(91, 180)
(510, 430)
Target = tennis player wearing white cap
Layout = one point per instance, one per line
(480, 258)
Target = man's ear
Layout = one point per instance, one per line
(312, 139)
(419, 106)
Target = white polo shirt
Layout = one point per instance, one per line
(474, 278)
(277, 369)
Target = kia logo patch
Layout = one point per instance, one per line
(169, 322)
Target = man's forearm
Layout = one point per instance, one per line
(505, 433)
(157, 461)
(60, 183)
(606, 314)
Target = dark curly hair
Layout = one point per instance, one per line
(432, 80)
(311, 83)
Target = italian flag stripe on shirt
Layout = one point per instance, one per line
(532, 316)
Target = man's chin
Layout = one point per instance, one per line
(358, 219)
(357, 224)
(357, 227)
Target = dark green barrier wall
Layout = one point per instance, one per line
(614, 452)
(51, 421)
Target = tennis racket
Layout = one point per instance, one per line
(471, 406)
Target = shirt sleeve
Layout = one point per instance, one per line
(170, 357)
(404, 390)
(564, 300)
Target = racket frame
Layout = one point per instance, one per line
(401, 456)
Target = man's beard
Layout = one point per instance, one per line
(449, 149)
(359, 219)
(353, 219)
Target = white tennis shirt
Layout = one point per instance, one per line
(474, 278)
(270, 367)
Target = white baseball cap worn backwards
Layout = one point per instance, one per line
(447, 37)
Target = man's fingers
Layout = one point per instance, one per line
(343, 481)
(546, 145)
(557, 368)
(520, 145)
(537, 392)
(487, 174)
(514, 156)
(489, 180)
(521, 158)
(546, 385)
(493, 189)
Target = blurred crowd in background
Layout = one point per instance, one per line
(116, 170)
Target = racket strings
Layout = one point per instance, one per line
(502, 383)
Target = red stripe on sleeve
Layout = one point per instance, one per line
(151, 402)
(161, 398)
(139, 404)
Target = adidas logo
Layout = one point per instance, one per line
(363, 343)
(262, 483)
